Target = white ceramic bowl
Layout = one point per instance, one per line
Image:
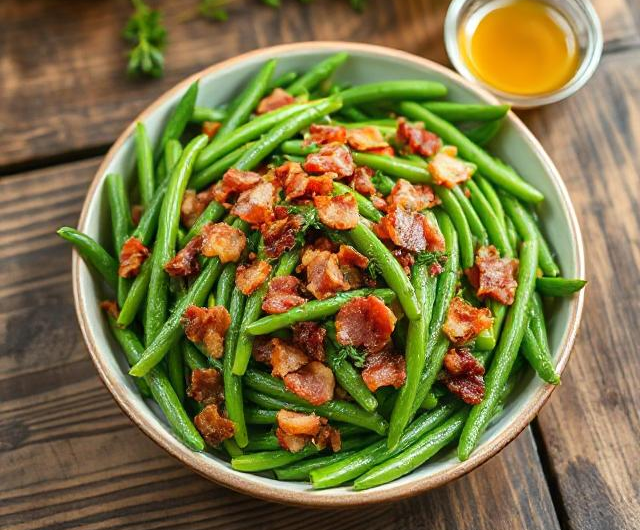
(218, 84)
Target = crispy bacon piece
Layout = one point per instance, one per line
(339, 213)
(361, 181)
(297, 423)
(210, 128)
(222, 240)
(365, 139)
(111, 308)
(314, 382)
(262, 349)
(255, 206)
(405, 258)
(463, 375)
(365, 321)
(278, 98)
(132, 256)
(493, 276)
(328, 436)
(207, 326)
(410, 230)
(185, 262)
(333, 158)
(309, 336)
(324, 278)
(280, 235)
(418, 140)
(237, 181)
(326, 134)
(449, 171)
(291, 442)
(298, 184)
(379, 203)
(250, 277)
(193, 204)
(347, 255)
(136, 213)
(412, 197)
(464, 321)
(213, 427)
(382, 151)
(384, 368)
(287, 171)
(206, 386)
(283, 294)
(460, 361)
(286, 358)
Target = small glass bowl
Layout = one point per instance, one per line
(585, 23)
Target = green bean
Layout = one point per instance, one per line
(194, 359)
(298, 147)
(487, 339)
(537, 323)
(317, 74)
(266, 460)
(148, 224)
(212, 173)
(226, 284)
(161, 390)
(394, 167)
(163, 249)
(415, 455)
(559, 286)
(248, 100)
(353, 114)
(144, 157)
(120, 224)
(437, 342)
(301, 470)
(484, 133)
(496, 229)
(507, 349)
(246, 133)
(430, 402)
(346, 375)
(415, 355)
(93, 254)
(256, 416)
(211, 214)
(313, 310)
(233, 383)
(172, 154)
(512, 233)
(386, 90)
(178, 119)
(537, 357)
(365, 206)
(475, 224)
(338, 473)
(278, 397)
(492, 197)
(455, 112)
(136, 295)
(232, 448)
(282, 80)
(487, 165)
(386, 124)
(267, 441)
(285, 130)
(202, 114)
(175, 371)
(367, 243)
(456, 214)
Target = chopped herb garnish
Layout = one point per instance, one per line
(146, 32)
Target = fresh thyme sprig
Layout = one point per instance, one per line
(146, 32)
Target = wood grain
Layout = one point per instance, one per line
(66, 94)
(69, 458)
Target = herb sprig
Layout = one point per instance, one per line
(146, 32)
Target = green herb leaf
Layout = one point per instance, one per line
(382, 183)
(351, 353)
(429, 257)
(146, 32)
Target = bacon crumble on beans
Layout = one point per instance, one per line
(255, 205)
(213, 427)
(412, 197)
(331, 158)
(361, 181)
(309, 336)
(347, 255)
(111, 308)
(132, 255)
(464, 322)
(262, 349)
(366, 139)
(366, 322)
(493, 276)
(410, 230)
(324, 278)
(339, 212)
(284, 293)
(280, 235)
(384, 368)
(206, 386)
(313, 382)
(326, 134)
(417, 139)
(297, 423)
(185, 262)
(207, 326)
(463, 375)
(250, 277)
(286, 358)
(224, 241)
(277, 99)
(449, 171)
(211, 128)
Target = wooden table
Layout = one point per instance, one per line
(70, 459)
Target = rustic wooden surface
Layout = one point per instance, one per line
(70, 459)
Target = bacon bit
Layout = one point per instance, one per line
(328, 435)
(255, 206)
(366, 138)
(185, 262)
(237, 181)
(207, 326)
(314, 382)
(283, 294)
(379, 203)
(322, 243)
(262, 349)
(250, 277)
(449, 171)
(286, 358)
(362, 180)
(298, 184)
(493, 276)
(353, 276)
(418, 140)
(326, 134)
(309, 336)
(463, 375)
(347, 255)
(296, 423)
(136, 213)
(405, 258)
(464, 321)
(292, 443)
(365, 321)
(413, 198)
(132, 255)
(323, 274)
(213, 427)
(111, 307)
(206, 386)
(460, 361)
(287, 171)
(334, 158)
(280, 236)
(278, 98)
(210, 128)
(223, 241)
(384, 368)
(193, 205)
(410, 230)
(469, 388)
(436, 268)
(339, 213)
(382, 151)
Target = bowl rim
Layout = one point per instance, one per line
(247, 483)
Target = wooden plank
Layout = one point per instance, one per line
(69, 93)
(69, 457)
(590, 429)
